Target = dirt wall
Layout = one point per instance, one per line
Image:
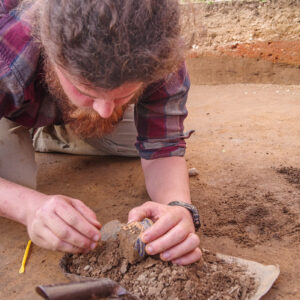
(243, 41)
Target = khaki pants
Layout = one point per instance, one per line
(17, 162)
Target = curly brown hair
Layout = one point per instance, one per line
(106, 43)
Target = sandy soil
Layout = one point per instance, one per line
(248, 209)
(207, 26)
(243, 41)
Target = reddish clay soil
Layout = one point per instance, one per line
(244, 135)
(284, 52)
(257, 29)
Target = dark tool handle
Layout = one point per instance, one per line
(86, 290)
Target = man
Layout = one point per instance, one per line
(88, 62)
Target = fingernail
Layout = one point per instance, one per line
(166, 255)
(149, 249)
(96, 238)
(176, 261)
(145, 238)
(93, 246)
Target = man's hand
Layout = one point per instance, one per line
(172, 235)
(64, 224)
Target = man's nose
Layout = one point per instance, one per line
(103, 107)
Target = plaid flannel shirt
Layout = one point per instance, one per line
(159, 113)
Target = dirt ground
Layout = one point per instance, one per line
(244, 133)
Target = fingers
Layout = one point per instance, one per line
(165, 241)
(147, 210)
(179, 235)
(189, 258)
(86, 212)
(58, 224)
(75, 220)
(170, 218)
(161, 227)
(67, 234)
(189, 244)
(46, 239)
(172, 235)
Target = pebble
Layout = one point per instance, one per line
(214, 267)
(150, 264)
(124, 267)
(110, 231)
(142, 277)
(93, 259)
(87, 267)
(153, 291)
(193, 172)
(189, 286)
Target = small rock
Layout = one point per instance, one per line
(166, 272)
(153, 291)
(189, 286)
(77, 261)
(93, 259)
(142, 277)
(214, 267)
(193, 172)
(110, 231)
(124, 267)
(151, 262)
(87, 267)
(177, 275)
(107, 267)
(160, 286)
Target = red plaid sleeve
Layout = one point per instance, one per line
(22, 98)
(159, 117)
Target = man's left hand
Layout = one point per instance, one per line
(172, 235)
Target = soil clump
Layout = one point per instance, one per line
(292, 175)
(152, 278)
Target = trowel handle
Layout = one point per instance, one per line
(85, 290)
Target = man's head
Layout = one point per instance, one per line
(89, 111)
(103, 52)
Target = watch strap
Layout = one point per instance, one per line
(192, 209)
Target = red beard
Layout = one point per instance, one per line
(85, 122)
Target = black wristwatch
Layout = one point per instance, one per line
(192, 209)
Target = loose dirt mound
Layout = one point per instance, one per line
(251, 218)
(155, 279)
(292, 175)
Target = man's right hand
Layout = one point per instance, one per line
(64, 224)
